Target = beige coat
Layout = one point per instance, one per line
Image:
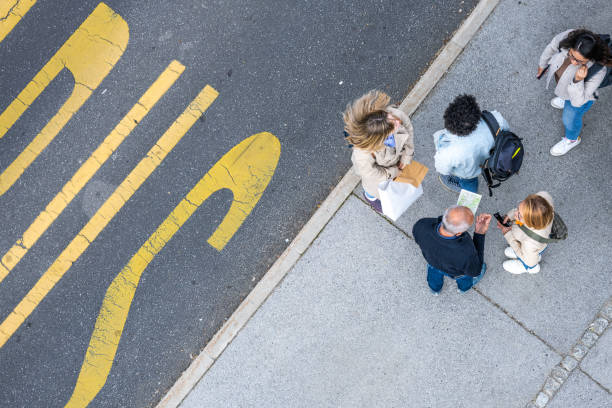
(578, 93)
(527, 248)
(374, 167)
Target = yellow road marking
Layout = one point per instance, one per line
(90, 167)
(106, 212)
(246, 170)
(11, 12)
(89, 54)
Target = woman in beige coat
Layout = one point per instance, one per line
(382, 137)
(535, 212)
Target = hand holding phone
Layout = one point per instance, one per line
(541, 72)
(500, 219)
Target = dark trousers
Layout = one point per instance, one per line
(435, 279)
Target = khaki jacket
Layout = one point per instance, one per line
(525, 247)
(381, 165)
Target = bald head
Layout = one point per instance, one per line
(457, 219)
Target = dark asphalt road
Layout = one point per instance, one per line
(287, 68)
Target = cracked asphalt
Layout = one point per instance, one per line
(287, 68)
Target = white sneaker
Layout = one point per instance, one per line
(516, 267)
(509, 252)
(557, 102)
(564, 146)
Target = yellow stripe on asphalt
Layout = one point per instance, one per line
(11, 12)
(89, 54)
(90, 167)
(246, 170)
(106, 212)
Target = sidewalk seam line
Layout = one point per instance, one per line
(521, 324)
(594, 380)
(442, 61)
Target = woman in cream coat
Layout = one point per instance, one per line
(535, 212)
(569, 58)
(382, 139)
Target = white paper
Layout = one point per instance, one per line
(469, 200)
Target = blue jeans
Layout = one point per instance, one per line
(469, 184)
(435, 279)
(572, 118)
(466, 184)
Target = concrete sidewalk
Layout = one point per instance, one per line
(354, 325)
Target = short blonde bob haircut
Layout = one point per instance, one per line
(537, 212)
(366, 122)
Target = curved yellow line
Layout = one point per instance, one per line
(246, 170)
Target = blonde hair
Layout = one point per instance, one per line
(366, 122)
(537, 212)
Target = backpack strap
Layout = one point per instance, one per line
(491, 122)
(537, 237)
(494, 128)
(486, 173)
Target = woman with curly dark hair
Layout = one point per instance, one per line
(464, 144)
(568, 58)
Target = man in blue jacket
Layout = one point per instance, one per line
(464, 144)
(449, 250)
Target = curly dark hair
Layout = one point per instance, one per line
(462, 115)
(589, 44)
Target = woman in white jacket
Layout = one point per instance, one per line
(535, 212)
(569, 59)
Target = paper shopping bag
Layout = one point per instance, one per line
(413, 173)
(397, 197)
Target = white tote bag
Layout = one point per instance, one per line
(396, 197)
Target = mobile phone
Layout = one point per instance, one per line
(543, 72)
(500, 219)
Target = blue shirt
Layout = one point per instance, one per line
(462, 156)
(390, 140)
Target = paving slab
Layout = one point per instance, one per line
(580, 391)
(598, 363)
(354, 325)
(498, 67)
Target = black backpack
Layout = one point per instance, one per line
(595, 68)
(506, 155)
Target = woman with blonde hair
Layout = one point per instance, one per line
(382, 140)
(536, 212)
